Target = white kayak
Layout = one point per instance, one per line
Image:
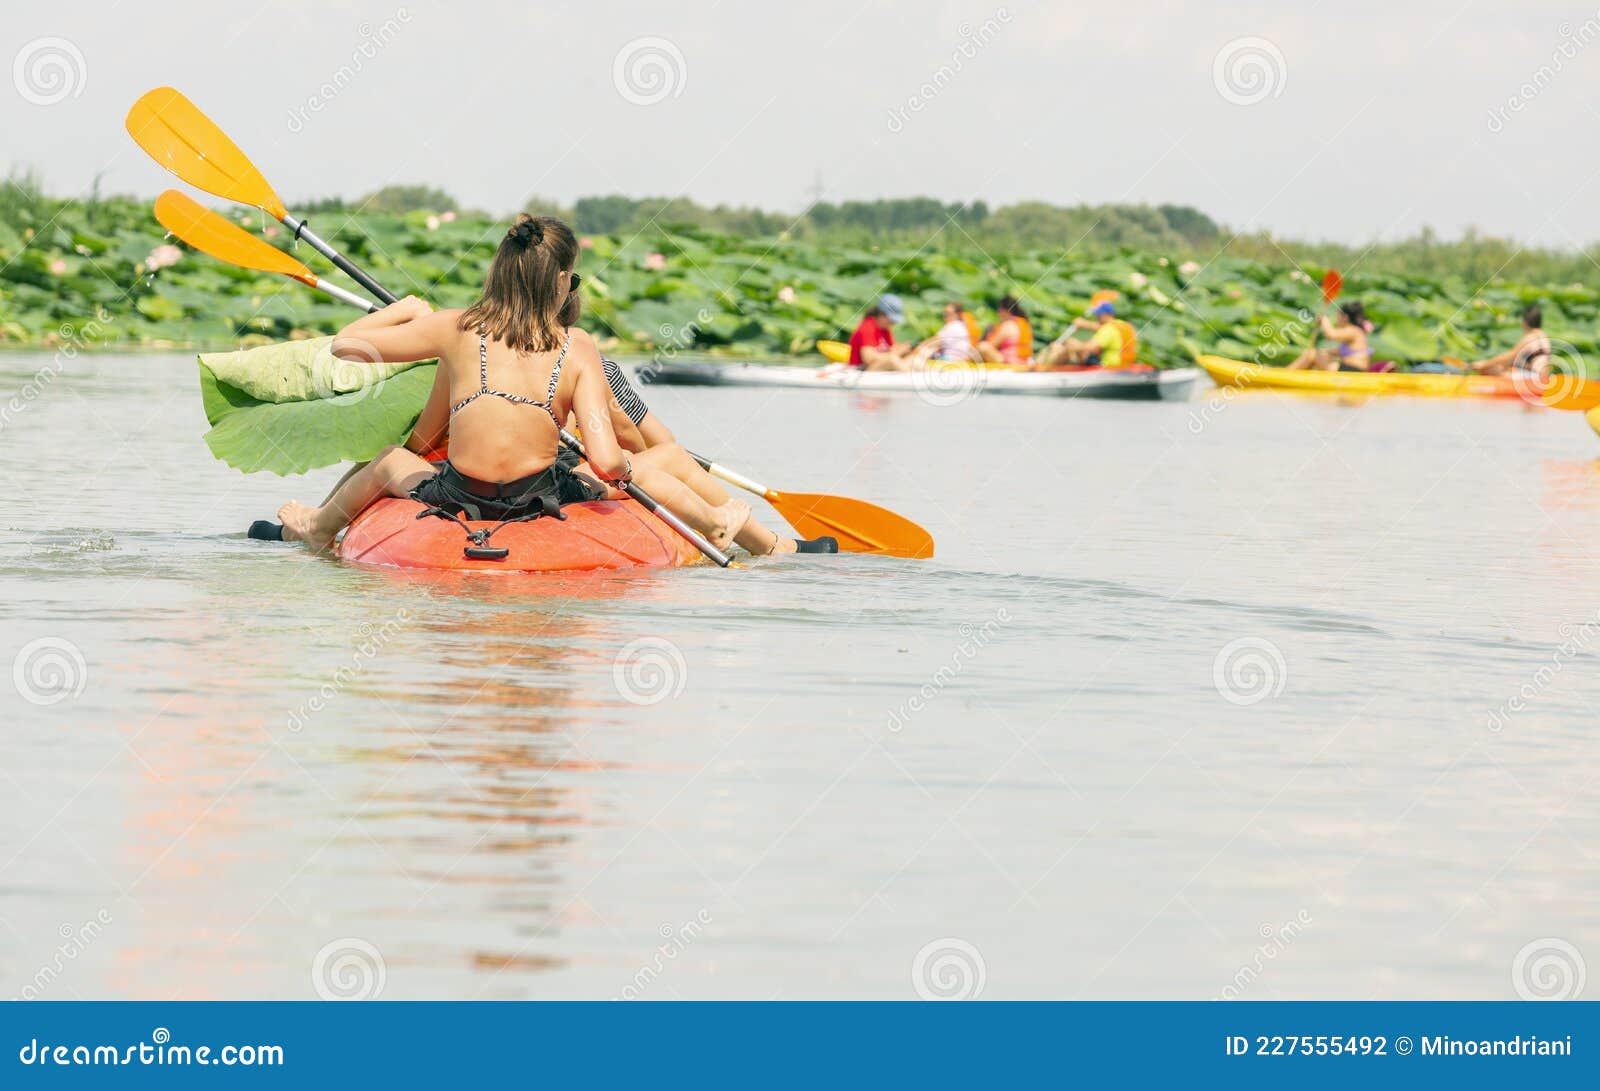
(941, 383)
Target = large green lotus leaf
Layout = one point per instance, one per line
(295, 370)
(293, 437)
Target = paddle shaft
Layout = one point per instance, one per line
(356, 273)
(732, 477)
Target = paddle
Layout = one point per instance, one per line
(1332, 285)
(190, 145)
(1571, 392)
(860, 527)
(211, 234)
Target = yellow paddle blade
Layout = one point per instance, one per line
(1570, 392)
(211, 234)
(860, 527)
(179, 137)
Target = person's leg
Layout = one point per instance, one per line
(395, 472)
(1327, 360)
(883, 360)
(752, 537)
(989, 353)
(719, 523)
(1305, 360)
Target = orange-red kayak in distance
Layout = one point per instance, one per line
(602, 535)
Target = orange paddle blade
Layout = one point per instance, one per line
(1570, 392)
(211, 234)
(860, 527)
(1105, 295)
(1332, 285)
(181, 138)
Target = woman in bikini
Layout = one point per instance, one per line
(1010, 339)
(1530, 356)
(512, 368)
(1351, 352)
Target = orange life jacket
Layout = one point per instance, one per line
(1024, 337)
(974, 331)
(1130, 341)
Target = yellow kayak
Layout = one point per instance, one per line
(1593, 417)
(1240, 374)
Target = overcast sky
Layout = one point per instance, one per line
(1348, 120)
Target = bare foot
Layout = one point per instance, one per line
(730, 518)
(300, 525)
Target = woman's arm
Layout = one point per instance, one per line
(591, 404)
(405, 330)
(654, 432)
(434, 421)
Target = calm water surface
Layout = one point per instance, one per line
(1294, 698)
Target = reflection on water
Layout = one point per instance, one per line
(1162, 688)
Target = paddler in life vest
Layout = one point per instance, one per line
(954, 341)
(1351, 352)
(1114, 343)
(1010, 339)
(872, 345)
(1529, 357)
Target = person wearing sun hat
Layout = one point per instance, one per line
(1114, 343)
(872, 345)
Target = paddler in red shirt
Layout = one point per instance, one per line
(873, 346)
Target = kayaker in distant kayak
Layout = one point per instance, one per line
(1351, 352)
(872, 345)
(512, 368)
(1529, 357)
(1114, 343)
(1010, 339)
(953, 341)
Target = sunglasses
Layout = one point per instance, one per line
(576, 279)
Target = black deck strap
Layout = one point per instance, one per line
(478, 547)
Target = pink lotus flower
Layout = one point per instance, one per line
(586, 243)
(271, 231)
(58, 267)
(786, 294)
(1234, 293)
(447, 217)
(1189, 268)
(162, 256)
(433, 223)
(655, 262)
(1138, 280)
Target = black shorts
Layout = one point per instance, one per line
(455, 492)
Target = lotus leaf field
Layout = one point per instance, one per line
(104, 274)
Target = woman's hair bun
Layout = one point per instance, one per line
(527, 232)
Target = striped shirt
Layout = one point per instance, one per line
(627, 397)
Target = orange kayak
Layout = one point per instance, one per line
(597, 536)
